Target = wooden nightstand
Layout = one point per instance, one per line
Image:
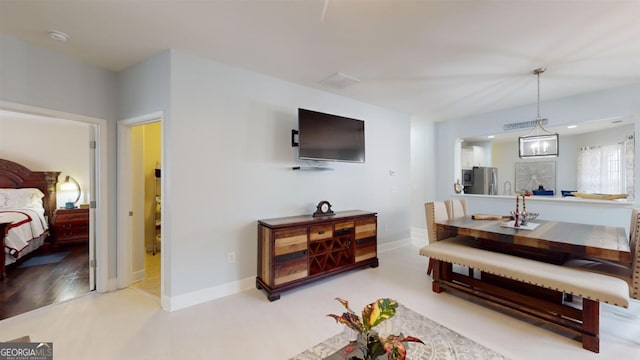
(70, 226)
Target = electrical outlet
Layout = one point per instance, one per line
(231, 257)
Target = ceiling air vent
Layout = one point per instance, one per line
(339, 81)
(523, 125)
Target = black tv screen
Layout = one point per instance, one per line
(330, 137)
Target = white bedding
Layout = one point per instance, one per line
(25, 233)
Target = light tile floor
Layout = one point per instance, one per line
(128, 324)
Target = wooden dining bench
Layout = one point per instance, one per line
(592, 287)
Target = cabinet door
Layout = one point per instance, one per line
(467, 158)
(290, 255)
(366, 239)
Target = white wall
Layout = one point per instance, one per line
(423, 172)
(228, 153)
(47, 144)
(227, 163)
(42, 78)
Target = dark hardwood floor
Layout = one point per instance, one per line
(28, 288)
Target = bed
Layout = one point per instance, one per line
(27, 200)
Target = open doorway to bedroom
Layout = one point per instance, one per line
(50, 263)
(140, 204)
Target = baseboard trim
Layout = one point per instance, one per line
(384, 247)
(200, 296)
(112, 284)
(138, 276)
(419, 237)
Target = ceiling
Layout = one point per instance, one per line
(563, 130)
(437, 59)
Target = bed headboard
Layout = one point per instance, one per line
(16, 176)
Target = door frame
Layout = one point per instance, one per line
(99, 216)
(125, 198)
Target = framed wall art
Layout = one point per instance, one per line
(532, 175)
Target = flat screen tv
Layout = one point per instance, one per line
(329, 137)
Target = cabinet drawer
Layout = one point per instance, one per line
(74, 217)
(290, 267)
(290, 240)
(366, 249)
(70, 236)
(365, 228)
(320, 232)
(78, 227)
(345, 227)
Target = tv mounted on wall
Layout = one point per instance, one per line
(329, 137)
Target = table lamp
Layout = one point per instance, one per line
(71, 189)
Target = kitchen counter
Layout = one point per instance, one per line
(568, 209)
(546, 198)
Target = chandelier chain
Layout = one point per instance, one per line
(538, 118)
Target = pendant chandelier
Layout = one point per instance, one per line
(539, 143)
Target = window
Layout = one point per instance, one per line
(602, 170)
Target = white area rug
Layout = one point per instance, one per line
(440, 342)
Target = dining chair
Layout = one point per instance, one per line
(628, 272)
(435, 211)
(456, 208)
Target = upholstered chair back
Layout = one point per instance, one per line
(436, 211)
(456, 208)
(634, 245)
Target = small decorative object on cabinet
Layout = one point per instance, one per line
(369, 344)
(296, 250)
(70, 226)
(323, 209)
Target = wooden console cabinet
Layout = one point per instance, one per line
(296, 250)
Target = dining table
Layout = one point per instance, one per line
(544, 240)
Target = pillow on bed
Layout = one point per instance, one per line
(27, 198)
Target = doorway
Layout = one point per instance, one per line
(64, 265)
(140, 204)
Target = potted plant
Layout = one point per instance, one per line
(369, 342)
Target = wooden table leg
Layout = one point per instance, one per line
(591, 325)
(437, 273)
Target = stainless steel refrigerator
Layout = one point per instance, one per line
(485, 181)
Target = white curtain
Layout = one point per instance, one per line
(629, 156)
(601, 169)
(607, 169)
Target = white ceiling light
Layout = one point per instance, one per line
(539, 143)
(58, 36)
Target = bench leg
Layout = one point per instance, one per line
(591, 325)
(430, 266)
(437, 273)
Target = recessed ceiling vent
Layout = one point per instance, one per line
(339, 81)
(58, 36)
(523, 125)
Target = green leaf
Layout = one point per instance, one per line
(351, 320)
(378, 311)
